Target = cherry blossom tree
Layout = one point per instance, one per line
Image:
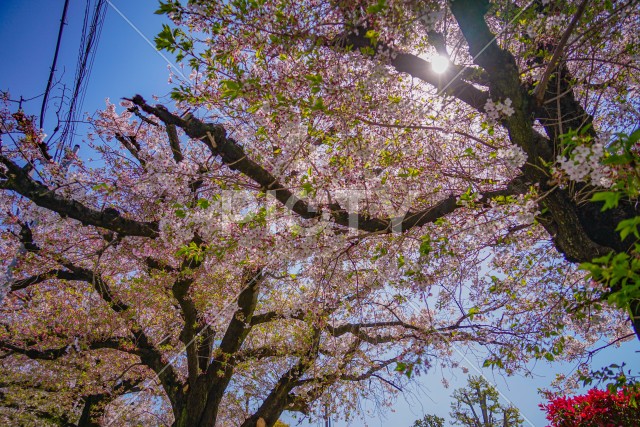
(342, 194)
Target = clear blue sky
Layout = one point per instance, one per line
(125, 65)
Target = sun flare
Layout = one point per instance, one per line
(439, 64)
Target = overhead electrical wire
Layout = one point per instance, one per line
(55, 61)
(88, 44)
(91, 31)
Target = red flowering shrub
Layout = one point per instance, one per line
(597, 408)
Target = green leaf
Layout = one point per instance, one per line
(629, 226)
(377, 8)
(409, 371)
(314, 78)
(379, 252)
(101, 186)
(203, 203)
(373, 37)
(165, 39)
(317, 104)
(307, 189)
(400, 367)
(611, 199)
(425, 246)
(401, 261)
(634, 137)
(230, 89)
(164, 8)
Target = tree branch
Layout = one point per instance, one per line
(208, 391)
(232, 154)
(130, 143)
(279, 397)
(180, 290)
(18, 180)
(174, 142)
(420, 69)
(541, 88)
(115, 343)
(42, 277)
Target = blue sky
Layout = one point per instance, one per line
(125, 64)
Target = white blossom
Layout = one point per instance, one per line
(514, 156)
(496, 110)
(584, 164)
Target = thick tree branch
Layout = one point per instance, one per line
(450, 82)
(205, 347)
(279, 397)
(132, 145)
(357, 329)
(95, 405)
(232, 154)
(241, 321)
(270, 316)
(115, 343)
(180, 290)
(174, 142)
(541, 88)
(18, 180)
(563, 222)
(42, 277)
(205, 394)
(259, 353)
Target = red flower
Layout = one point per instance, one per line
(598, 408)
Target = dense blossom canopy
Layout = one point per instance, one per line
(321, 216)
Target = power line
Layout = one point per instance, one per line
(53, 65)
(91, 31)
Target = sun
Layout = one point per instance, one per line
(439, 64)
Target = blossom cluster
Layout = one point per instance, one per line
(528, 212)
(429, 19)
(514, 156)
(497, 110)
(554, 21)
(585, 163)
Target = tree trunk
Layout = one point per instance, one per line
(93, 410)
